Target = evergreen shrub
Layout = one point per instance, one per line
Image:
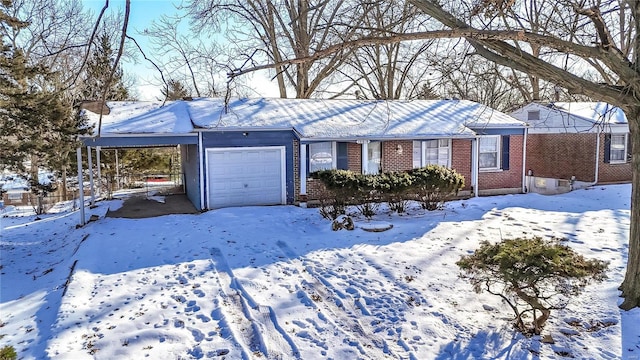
(533, 276)
(431, 186)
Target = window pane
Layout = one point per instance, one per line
(432, 144)
(320, 156)
(437, 152)
(489, 152)
(618, 155)
(618, 141)
(431, 155)
(488, 160)
(618, 148)
(488, 144)
(373, 157)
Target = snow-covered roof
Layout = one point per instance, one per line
(311, 118)
(596, 112)
(315, 118)
(135, 117)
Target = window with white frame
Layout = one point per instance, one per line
(489, 152)
(432, 152)
(374, 156)
(533, 115)
(618, 150)
(321, 156)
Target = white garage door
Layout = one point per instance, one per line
(246, 176)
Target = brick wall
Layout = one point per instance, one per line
(392, 160)
(354, 156)
(561, 156)
(612, 173)
(314, 188)
(461, 160)
(505, 179)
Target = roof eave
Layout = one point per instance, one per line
(387, 138)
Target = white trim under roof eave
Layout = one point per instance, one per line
(404, 138)
(115, 135)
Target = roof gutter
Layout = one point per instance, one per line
(373, 138)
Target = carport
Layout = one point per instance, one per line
(126, 125)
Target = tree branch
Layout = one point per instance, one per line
(164, 81)
(505, 54)
(127, 11)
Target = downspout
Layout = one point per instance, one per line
(475, 166)
(99, 188)
(524, 161)
(201, 168)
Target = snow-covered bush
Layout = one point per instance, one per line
(338, 192)
(395, 188)
(433, 185)
(533, 276)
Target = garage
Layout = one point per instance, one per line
(246, 176)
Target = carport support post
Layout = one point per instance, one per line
(99, 174)
(89, 161)
(117, 172)
(80, 185)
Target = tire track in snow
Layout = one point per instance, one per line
(345, 310)
(256, 325)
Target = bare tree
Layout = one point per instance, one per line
(613, 53)
(391, 70)
(183, 57)
(284, 30)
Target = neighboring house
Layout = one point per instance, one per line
(261, 151)
(575, 144)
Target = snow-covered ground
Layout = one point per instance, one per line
(278, 283)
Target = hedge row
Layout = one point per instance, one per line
(431, 186)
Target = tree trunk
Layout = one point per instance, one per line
(631, 285)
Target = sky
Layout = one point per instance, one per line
(233, 283)
(142, 14)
